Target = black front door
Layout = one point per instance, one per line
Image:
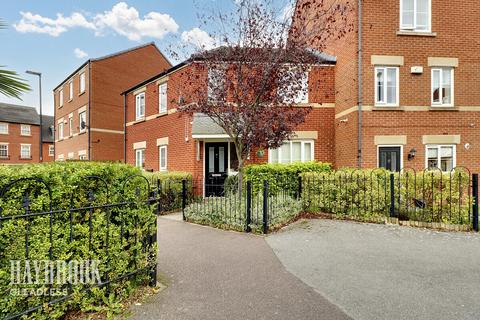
(216, 168)
(389, 158)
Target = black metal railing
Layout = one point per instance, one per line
(429, 196)
(36, 225)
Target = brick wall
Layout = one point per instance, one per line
(14, 140)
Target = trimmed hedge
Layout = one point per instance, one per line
(429, 197)
(171, 188)
(70, 189)
(282, 177)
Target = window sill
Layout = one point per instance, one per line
(70, 100)
(416, 33)
(4, 133)
(25, 135)
(4, 157)
(25, 158)
(161, 114)
(82, 132)
(81, 93)
(443, 108)
(139, 120)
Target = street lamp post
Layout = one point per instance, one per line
(40, 106)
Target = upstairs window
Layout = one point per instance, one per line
(82, 82)
(415, 15)
(162, 98)
(83, 121)
(386, 86)
(70, 126)
(25, 130)
(60, 99)
(216, 84)
(294, 94)
(70, 91)
(60, 131)
(3, 128)
(442, 87)
(140, 106)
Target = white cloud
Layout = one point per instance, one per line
(126, 21)
(199, 38)
(54, 27)
(79, 53)
(121, 19)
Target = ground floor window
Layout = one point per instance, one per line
(292, 151)
(140, 158)
(51, 150)
(163, 158)
(441, 156)
(390, 158)
(25, 151)
(3, 150)
(82, 157)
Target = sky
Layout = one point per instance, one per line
(55, 37)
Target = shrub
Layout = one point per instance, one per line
(229, 212)
(129, 225)
(427, 197)
(282, 177)
(171, 188)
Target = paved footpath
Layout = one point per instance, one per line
(213, 274)
(385, 272)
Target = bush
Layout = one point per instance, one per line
(229, 212)
(426, 197)
(129, 226)
(282, 177)
(171, 188)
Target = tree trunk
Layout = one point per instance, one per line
(241, 163)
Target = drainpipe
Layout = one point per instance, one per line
(89, 108)
(360, 84)
(125, 128)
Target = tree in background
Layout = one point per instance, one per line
(11, 85)
(257, 74)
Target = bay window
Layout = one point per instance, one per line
(292, 151)
(415, 15)
(387, 86)
(442, 87)
(441, 156)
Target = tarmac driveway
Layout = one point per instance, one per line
(385, 272)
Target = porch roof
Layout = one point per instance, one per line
(204, 127)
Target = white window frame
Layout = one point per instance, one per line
(138, 106)
(60, 130)
(70, 91)
(29, 151)
(4, 125)
(390, 146)
(414, 28)
(70, 126)
(439, 158)
(162, 168)
(302, 96)
(6, 149)
(60, 98)
(221, 73)
(82, 82)
(25, 130)
(81, 115)
(385, 88)
(82, 157)
(302, 151)
(452, 84)
(51, 150)
(162, 91)
(137, 152)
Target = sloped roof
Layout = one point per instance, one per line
(18, 114)
(204, 125)
(47, 128)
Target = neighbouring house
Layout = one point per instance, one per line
(20, 135)
(160, 138)
(89, 116)
(407, 84)
(48, 138)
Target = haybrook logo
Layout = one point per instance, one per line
(45, 272)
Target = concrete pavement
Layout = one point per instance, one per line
(385, 272)
(213, 274)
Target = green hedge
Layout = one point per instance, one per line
(429, 197)
(282, 176)
(70, 188)
(171, 188)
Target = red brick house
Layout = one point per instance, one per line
(20, 135)
(89, 116)
(160, 138)
(407, 86)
